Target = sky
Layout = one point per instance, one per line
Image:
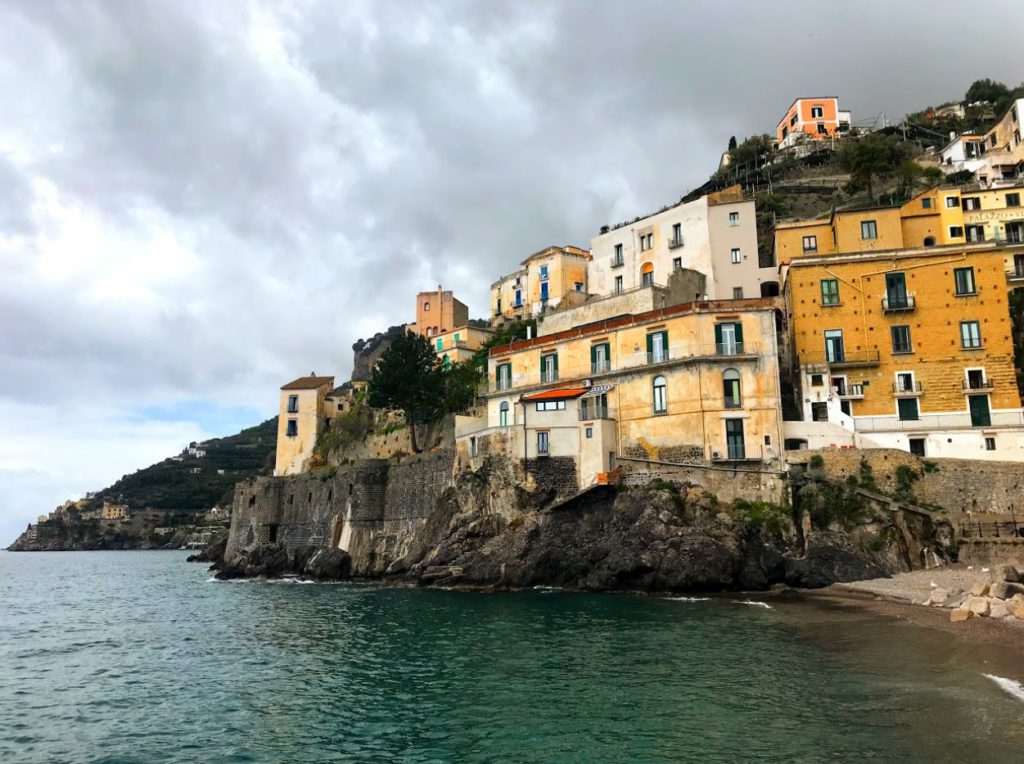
(200, 201)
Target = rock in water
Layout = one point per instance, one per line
(998, 609)
(999, 590)
(329, 565)
(960, 614)
(978, 605)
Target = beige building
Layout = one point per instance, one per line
(301, 416)
(438, 312)
(112, 511)
(460, 344)
(715, 235)
(694, 383)
(1003, 145)
(546, 280)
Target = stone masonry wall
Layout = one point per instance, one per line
(727, 485)
(954, 484)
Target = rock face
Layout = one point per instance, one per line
(274, 561)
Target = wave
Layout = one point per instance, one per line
(687, 599)
(765, 605)
(1009, 686)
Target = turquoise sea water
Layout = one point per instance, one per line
(138, 657)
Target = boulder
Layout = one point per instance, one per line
(939, 597)
(1016, 606)
(980, 589)
(1007, 573)
(958, 614)
(999, 590)
(978, 605)
(1013, 589)
(997, 609)
(329, 565)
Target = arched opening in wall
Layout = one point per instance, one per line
(769, 288)
(647, 274)
(795, 444)
(252, 500)
(503, 414)
(929, 241)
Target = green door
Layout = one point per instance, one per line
(980, 415)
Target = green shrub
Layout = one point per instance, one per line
(775, 519)
(816, 462)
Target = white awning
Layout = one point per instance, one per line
(597, 390)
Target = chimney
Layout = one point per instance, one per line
(529, 332)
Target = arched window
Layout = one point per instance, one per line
(660, 400)
(731, 388)
(929, 241)
(503, 414)
(647, 274)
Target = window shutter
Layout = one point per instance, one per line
(718, 334)
(650, 344)
(555, 356)
(739, 333)
(593, 355)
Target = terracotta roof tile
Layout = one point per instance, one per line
(311, 382)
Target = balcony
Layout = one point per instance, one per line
(850, 392)
(979, 384)
(600, 367)
(618, 262)
(898, 304)
(737, 452)
(547, 376)
(907, 390)
(730, 348)
(589, 413)
(1016, 275)
(659, 356)
(925, 422)
(844, 360)
(675, 243)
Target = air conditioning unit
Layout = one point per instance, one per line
(588, 383)
(715, 455)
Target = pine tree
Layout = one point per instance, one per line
(408, 377)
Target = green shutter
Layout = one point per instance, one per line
(739, 333)
(593, 355)
(556, 365)
(718, 334)
(650, 344)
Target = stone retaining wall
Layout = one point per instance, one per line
(726, 484)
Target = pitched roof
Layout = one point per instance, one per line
(312, 382)
(556, 395)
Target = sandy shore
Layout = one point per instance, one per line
(902, 596)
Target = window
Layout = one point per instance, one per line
(971, 203)
(578, 286)
(677, 235)
(426, 306)
(868, 229)
(990, 444)
(657, 347)
(907, 409)
(834, 351)
(440, 343)
(792, 120)
(822, 130)
(646, 241)
(830, 292)
(817, 112)
(926, 203)
(956, 232)
(975, 233)
(810, 244)
(544, 290)
(817, 380)
(951, 201)
(896, 296)
(617, 257)
(600, 358)
(293, 428)
(549, 367)
(618, 285)
(646, 274)
(929, 241)
(1013, 200)
(457, 337)
(503, 414)
(293, 404)
(975, 379)
(734, 439)
(737, 293)
(904, 382)
(677, 262)
(916, 446)
(729, 338)
(550, 405)
(901, 340)
(734, 219)
(970, 335)
(503, 376)
(734, 256)
(819, 411)
(519, 299)
(963, 280)
(472, 446)
(542, 443)
(731, 388)
(543, 273)
(590, 432)
(660, 401)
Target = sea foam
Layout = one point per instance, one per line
(1009, 686)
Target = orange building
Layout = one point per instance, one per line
(814, 118)
(438, 312)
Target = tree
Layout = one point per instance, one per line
(461, 384)
(752, 150)
(732, 143)
(987, 90)
(869, 158)
(408, 377)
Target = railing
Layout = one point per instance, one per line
(548, 375)
(729, 348)
(600, 367)
(618, 262)
(737, 452)
(978, 384)
(896, 304)
(904, 388)
(1007, 528)
(658, 356)
(845, 359)
(939, 421)
(596, 411)
(675, 243)
(1015, 274)
(850, 392)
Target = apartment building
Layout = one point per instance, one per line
(694, 383)
(715, 235)
(460, 344)
(301, 417)
(811, 119)
(909, 349)
(546, 280)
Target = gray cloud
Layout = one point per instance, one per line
(200, 200)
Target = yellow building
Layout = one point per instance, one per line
(546, 280)
(695, 383)
(301, 417)
(438, 312)
(460, 344)
(907, 349)
(112, 511)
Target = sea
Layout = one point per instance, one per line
(142, 657)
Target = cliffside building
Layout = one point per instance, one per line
(114, 511)
(715, 235)
(460, 344)
(811, 119)
(545, 280)
(906, 348)
(301, 416)
(438, 312)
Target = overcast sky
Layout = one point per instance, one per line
(202, 200)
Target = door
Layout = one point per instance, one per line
(834, 346)
(980, 414)
(544, 290)
(734, 439)
(896, 289)
(729, 339)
